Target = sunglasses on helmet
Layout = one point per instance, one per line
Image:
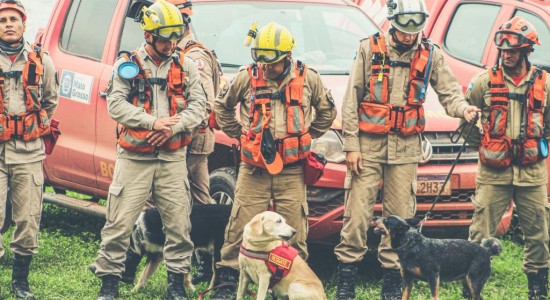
(172, 32)
(405, 20)
(513, 39)
(267, 56)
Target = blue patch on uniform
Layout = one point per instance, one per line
(470, 86)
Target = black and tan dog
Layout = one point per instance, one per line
(208, 223)
(433, 260)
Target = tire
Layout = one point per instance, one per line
(7, 219)
(222, 185)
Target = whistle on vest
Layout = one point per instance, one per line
(252, 32)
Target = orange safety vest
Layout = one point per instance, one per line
(135, 139)
(296, 144)
(376, 114)
(496, 149)
(34, 122)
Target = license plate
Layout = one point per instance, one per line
(430, 185)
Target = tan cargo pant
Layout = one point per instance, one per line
(133, 182)
(24, 182)
(255, 188)
(491, 202)
(199, 179)
(398, 197)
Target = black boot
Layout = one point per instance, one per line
(538, 284)
(130, 266)
(175, 289)
(227, 281)
(204, 269)
(346, 275)
(19, 277)
(109, 287)
(391, 285)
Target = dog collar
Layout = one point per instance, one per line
(278, 261)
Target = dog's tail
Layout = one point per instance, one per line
(493, 246)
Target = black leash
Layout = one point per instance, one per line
(454, 139)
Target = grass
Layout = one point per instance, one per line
(69, 241)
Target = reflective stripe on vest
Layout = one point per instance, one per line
(377, 115)
(297, 143)
(496, 149)
(34, 122)
(135, 139)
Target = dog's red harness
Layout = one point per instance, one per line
(278, 261)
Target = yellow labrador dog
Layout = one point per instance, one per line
(264, 233)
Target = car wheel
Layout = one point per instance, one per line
(222, 185)
(7, 217)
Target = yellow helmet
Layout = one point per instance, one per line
(163, 20)
(273, 42)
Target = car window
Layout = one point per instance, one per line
(541, 55)
(327, 36)
(469, 30)
(86, 27)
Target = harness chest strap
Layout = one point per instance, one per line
(377, 115)
(496, 149)
(296, 144)
(278, 261)
(34, 122)
(135, 139)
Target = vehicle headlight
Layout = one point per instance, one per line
(330, 146)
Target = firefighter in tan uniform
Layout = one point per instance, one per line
(383, 119)
(514, 101)
(28, 99)
(282, 102)
(203, 140)
(158, 106)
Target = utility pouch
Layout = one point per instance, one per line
(51, 138)
(314, 166)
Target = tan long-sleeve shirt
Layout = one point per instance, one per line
(125, 113)
(394, 148)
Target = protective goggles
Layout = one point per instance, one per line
(172, 32)
(417, 19)
(267, 56)
(513, 39)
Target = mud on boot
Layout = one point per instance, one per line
(175, 289)
(227, 281)
(109, 287)
(19, 277)
(346, 276)
(391, 285)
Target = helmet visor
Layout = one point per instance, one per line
(172, 32)
(512, 39)
(267, 56)
(405, 20)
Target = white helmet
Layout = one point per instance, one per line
(426, 149)
(408, 16)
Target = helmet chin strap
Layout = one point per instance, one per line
(400, 45)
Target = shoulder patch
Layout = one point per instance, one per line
(330, 98)
(200, 63)
(470, 86)
(224, 89)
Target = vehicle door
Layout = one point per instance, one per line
(80, 51)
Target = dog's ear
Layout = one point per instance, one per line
(256, 225)
(413, 222)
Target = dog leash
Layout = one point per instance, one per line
(454, 140)
(250, 293)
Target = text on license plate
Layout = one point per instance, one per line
(430, 185)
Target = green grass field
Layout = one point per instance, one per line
(69, 242)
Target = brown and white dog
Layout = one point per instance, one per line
(293, 278)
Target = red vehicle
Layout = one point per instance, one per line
(327, 33)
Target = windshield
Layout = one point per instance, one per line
(327, 36)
